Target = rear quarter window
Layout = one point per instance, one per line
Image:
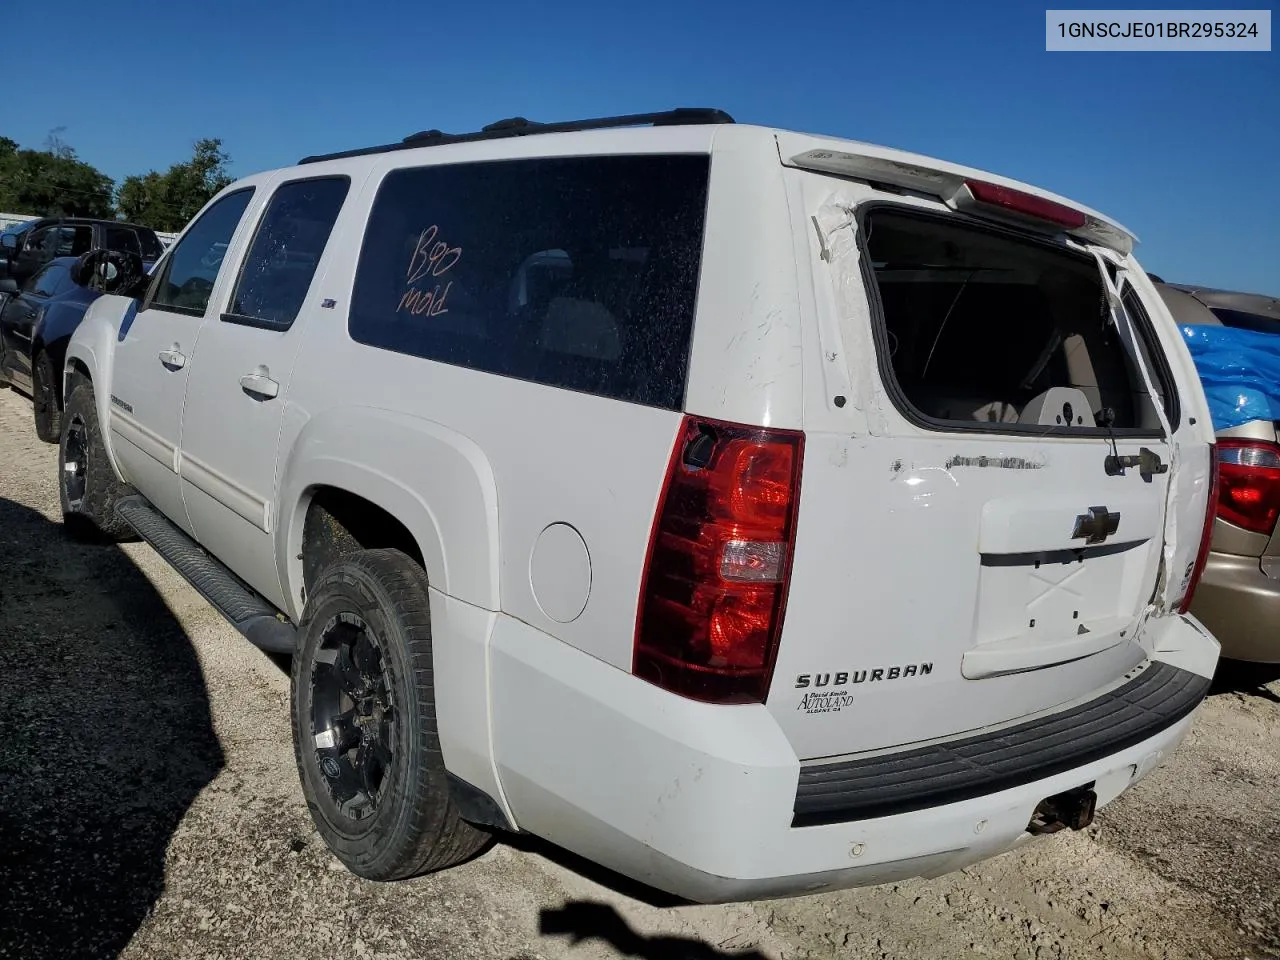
(152, 248)
(579, 273)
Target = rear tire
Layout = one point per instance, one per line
(87, 486)
(364, 722)
(44, 399)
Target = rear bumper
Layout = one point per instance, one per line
(1241, 606)
(701, 801)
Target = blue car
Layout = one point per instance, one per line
(38, 318)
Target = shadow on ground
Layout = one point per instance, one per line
(107, 741)
(582, 920)
(1236, 676)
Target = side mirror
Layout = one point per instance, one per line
(9, 285)
(109, 271)
(9, 242)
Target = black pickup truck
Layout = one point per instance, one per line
(26, 248)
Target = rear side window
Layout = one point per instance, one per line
(286, 250)
(578, 273)
(122, 239)
(1243, 320)
(186, 280)
(979, 324)
(73, 241)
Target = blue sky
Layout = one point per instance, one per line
(1184, 149)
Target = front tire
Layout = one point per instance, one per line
(44, 399)
(364, 722)
(87, 486)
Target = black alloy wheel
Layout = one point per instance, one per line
(353, 716)
(75, 461)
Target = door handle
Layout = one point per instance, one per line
(260, 385)
(173, 358)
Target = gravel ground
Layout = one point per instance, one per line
(149, 808)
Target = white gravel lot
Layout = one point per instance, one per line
(149, 808)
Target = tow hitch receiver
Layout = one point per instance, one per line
(1074, 809)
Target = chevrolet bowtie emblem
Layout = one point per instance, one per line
(1096, 525)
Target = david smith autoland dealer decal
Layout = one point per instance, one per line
(825, 701)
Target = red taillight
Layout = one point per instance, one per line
(715, 584)
(1027, 204)
(1206, 533)
(1249, 484)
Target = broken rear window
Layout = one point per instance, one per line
(980, 323)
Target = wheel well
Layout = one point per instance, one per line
(57, 352)
(75, 365)
(338, 523)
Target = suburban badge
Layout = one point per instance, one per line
(842, 677)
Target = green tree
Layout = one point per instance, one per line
(52, 182)
(166, 201)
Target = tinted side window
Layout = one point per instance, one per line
(577, 272)
(1247, 321)
(42, 242)
(122, 239)
(152, 248)
(286, 250)
(73, 241)
(186, 281)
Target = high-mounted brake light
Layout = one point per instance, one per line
(715, 583)
(1249, 484)
(1026, 204)
(935, 179)
(1206, 533)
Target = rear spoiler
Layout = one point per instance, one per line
(972, 192)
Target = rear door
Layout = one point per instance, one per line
(984, 542)
(240, 376)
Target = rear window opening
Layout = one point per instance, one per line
(979, 324)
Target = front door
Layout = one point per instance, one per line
(154, 353)
(237, 391)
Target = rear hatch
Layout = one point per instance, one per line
(986, 544)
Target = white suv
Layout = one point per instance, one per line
(750, 512)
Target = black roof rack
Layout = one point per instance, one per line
(520, 127)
